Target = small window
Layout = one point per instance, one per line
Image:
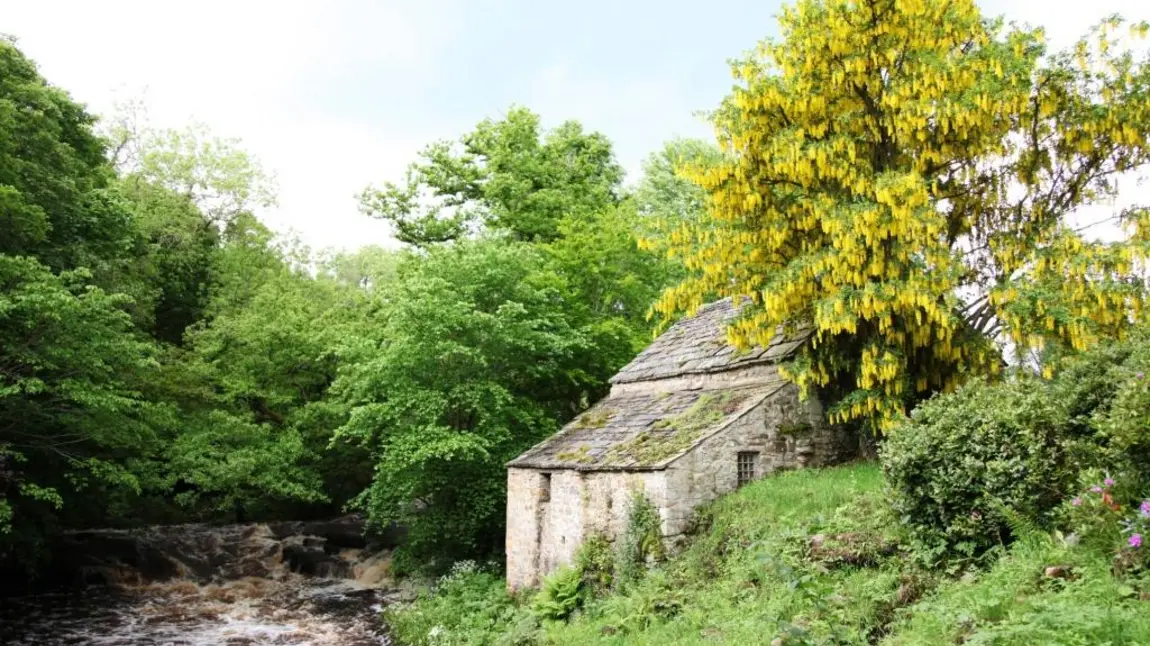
(545, 488)
(746, 466)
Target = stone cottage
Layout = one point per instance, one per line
(687, 421)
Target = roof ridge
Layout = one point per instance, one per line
(698, 344)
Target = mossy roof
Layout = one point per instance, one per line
(644, 430)
(698, 345)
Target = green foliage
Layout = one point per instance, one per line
(596, 560)
(69, 415)
(560, 595)
(469, 606)
(665, 198)
(1124, 425)
(1014, 603)
(964, 457)
(594, 569)
(54, 202)
(506, 175)
(473, 361)
(172, 272)
(966, 463)
(230, 463)
(215, 174)
(641, 544)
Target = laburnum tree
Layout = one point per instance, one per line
(901, 189)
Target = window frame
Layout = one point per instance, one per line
(746, 467)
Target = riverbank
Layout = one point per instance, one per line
(808, 557)
(314, 583)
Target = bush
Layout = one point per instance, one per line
(560, 595)
(468, 606)
(642, 541)
(968, 463)
(596, 561)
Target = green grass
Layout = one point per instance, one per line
(754, 575)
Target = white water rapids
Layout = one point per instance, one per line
(226, 586)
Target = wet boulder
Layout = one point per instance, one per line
(345, 531)
(308, 555)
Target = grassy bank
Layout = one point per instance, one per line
(809, 557)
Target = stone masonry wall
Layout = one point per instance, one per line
(546, 523)
(544, 532)
(784, 432)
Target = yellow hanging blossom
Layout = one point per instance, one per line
(900, 178)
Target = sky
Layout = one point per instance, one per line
(336, 95)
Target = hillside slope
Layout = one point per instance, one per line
(809, 557)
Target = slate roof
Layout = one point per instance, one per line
(698, 345)
(647, 430)
(642, 430)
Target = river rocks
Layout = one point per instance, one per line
(110, 557)
(205, 553)
(309, 555)
(345, 531)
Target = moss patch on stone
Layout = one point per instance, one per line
(794, 428)
(672, 435)
(579, 455)
(595, 418)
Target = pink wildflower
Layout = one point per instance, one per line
(1135, 540)
(1076, 502)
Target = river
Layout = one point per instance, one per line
(196, 585)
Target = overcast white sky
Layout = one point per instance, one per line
(335, 95)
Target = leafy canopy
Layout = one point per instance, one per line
(54, 202)
(901, 178)
(504, 175)
(474, 360)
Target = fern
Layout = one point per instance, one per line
(642, 542)
(1023, 528)
(559, 596)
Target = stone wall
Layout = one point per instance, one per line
(545, 529)
(784, 433)
(549, 514)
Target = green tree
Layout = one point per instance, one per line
(172, 267)
(665, 196)
(215, 173)
(901, 178)
(54, 198)
(70, 418)
(525, 293)
(505, 175)
(473, 360)
(369, 268)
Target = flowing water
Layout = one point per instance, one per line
(195, 585)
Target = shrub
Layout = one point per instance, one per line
(560, 595)
(642, 541)
(966, 463)
(468, 606)
(596, 561)
(1124, 425)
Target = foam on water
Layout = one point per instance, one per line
(278, 607)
